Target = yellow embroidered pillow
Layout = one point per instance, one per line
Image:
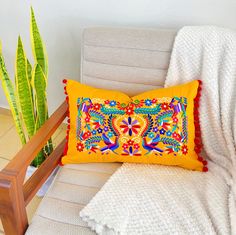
(159, 126)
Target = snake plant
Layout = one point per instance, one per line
(27, 97)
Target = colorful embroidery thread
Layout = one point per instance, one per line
(139, 128)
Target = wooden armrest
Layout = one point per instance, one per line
(14, 193)
(28, 152)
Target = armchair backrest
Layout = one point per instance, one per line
(129, 60)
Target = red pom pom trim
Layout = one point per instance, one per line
(68, 120)
(197, 140)
(204, 169)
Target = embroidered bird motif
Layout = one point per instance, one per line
(110, 144)
(152, 145)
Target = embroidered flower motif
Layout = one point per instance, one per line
(125, 146)
(154, 101)
(106, 128)
(155, 129)
(148, 102)
(89, 133)
(94, 132)
(162, 131)
(87, 119)
(112, 103)
(99, 130)
(130, 142)
(80, 147)
(168, 133)
(96, 106)
(130, 126)
(136, 146)
(138, 103)
(164, 106)
(176, 136)
(175, 119)
(106, 101)
(110, 134)
(86, 135)
(131, 152)
(131, 105)
(165, 125)
(184, 149)
(129, 110)
(122, 106)
(151, 135)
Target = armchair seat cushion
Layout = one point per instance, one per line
(75, 185)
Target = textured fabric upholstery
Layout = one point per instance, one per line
(129, 60)
(73, 187)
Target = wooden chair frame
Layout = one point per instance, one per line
(15, 194)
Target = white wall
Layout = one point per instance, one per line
(61, 23)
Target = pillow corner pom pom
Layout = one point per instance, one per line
(68, 118)
(197, 139)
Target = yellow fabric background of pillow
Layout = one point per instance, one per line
(124, 136)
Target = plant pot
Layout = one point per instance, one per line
(43, 190)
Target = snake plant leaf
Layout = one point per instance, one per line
(39, 86)
(29, 73)
(37, 44)
(23, 88)
(39, 159)
(29, 70)
(11, 98)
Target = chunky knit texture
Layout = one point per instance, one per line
(209, 53)
(153, 199)
(148, 199)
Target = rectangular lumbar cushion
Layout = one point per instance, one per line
(159, 126)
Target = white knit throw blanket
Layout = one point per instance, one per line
(152, 199)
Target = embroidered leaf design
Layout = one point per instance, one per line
(97, 116)
(151, 111)
(164, 115)
(109, 111)
(174, 128)
(170, 141)
(79, 106)
(91, 140)
(111, 126)
(149, 125)
(80, 135)
(78, 121)
(171, 148)
(88, 127)
(185, 131)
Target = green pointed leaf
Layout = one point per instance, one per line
(29, 70)
(24, 89)
(29, 73)
(39, 159)
(39, 86)
(37, 44)
(11, 98)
